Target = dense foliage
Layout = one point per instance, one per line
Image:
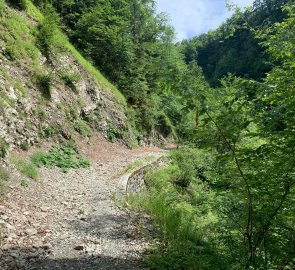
(133, 46)
(228, 203)
(234, 47)
(227, 200)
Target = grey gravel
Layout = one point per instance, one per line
(71, 221)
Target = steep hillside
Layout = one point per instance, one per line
(48, 90)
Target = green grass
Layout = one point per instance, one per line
(18, 37)
(34, 13)
(183, 217)
(5, 99)
(2, 7)
(21, 43)
(149, 158)
(4, 178)
(19, 86)
(25, 167)
(96, 74)
(134, 165)
(82, 127)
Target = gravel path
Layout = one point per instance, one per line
(71, 221)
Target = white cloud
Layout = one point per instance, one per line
(193, 17)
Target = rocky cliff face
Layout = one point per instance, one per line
(56, 97)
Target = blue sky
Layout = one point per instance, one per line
(193, 17)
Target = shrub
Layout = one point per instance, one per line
(24, 183)
(82, 127)
(63, 157)
(113, 134)
(44, 84)
(47, 132)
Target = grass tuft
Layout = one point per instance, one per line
(4, 178)
(26, 168)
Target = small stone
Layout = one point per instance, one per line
(14, 255)
(79, 248)
(38, 244)
(4, 217)
(31, 232)
(8, 226)
(46, 246)
(13, 236)
(44, 209)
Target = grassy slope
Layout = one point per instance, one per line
(35, 14)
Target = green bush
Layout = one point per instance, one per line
(47, 132)
(18, 4)
(3, 147)
(44, 84)
(113, 134)
(82, 127)
(24, 183)
(63, 157)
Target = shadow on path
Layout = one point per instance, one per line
(32, 259)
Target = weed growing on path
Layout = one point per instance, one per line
(64, 158)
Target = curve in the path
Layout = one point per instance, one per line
(70, 221)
